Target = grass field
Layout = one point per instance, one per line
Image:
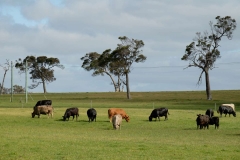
(23, 137)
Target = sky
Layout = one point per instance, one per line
(69, 29)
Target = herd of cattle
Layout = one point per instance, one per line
(116, 115)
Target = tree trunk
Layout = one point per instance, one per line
(1, 89)
(114, 84)
(127, 86)
(208, 90)
(44, 87)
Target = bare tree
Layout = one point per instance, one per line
(5, 68)
(203, 52)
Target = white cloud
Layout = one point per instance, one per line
(69, 29)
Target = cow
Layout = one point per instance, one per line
(117, 121)
(226, 110)
(230, 105)
(44, 109)
(92, 114)
(71, 112)
(214, 121)
(209, 112)
(159, 112)
(43, 102)
(114, 111)
(202, 121)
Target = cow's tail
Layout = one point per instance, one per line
(109, 111)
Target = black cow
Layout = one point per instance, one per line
(214, 121)
(92, 114)
(159, 112)
(209, 112)
(71, 112)
(226, 110)
(202, 121)
(44, 102)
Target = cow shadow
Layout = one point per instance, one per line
(237, 134)
(190, 129)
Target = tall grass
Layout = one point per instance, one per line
(23, 137)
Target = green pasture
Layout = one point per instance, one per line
(23, 137)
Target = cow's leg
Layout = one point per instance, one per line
(110, 119)
(166, 117)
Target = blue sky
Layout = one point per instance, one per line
(69, 29)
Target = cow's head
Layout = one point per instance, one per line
(234, 114)
(33, 115)
(64, 117)
(150, 118)
(127, 118)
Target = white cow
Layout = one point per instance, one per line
(117, 121)
(230, 105)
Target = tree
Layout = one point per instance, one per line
(125, 55)
(5, 68)
(100, 64)
(40, 68)
(18, 89)
(203, 52)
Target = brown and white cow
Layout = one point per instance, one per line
(114, 111)
(44, 109)
(117, 121)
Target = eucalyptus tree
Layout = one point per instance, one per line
(40, 68)
(203, 51)
(5, 68)
(101, 64)
(126, 53)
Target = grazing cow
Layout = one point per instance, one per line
(114, 111)
(214, 121)
(117, 121)
(159, 112)
(230, 105)
(44, 102)
(71, 112)
(209, 112)
(202, 121)
(92, 114)
(226, 110)
(44, 109)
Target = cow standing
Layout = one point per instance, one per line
(71, 112)
(230, 105)
(92, 114)
(159, 112)
(226, 110)
(117, 121)
(214, 121)
(43, 102)
(44, 109)
(114, 111)
(209, 112)
(202, 121)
